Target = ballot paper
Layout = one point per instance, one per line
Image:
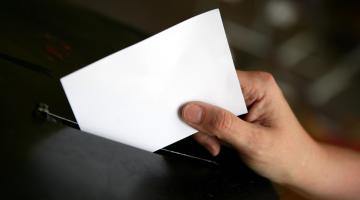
(133, 96)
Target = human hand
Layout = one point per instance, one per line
(269, 139)
(273, 143)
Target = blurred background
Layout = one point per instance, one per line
(312, 47)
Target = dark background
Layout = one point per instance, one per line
(311, 47)
(42, 159)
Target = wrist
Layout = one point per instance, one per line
(308, 165)
(309, 173)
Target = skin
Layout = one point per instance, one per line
(274, 144)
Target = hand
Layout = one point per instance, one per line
(269, 139)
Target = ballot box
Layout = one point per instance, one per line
(43, 158)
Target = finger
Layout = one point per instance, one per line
(252, 85)
(247, 87)
(209, 142)
(256, 111)
(218, 122)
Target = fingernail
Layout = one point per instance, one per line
(192, 113)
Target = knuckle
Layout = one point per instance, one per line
(267, 77)
(267, 80)
(222, 121)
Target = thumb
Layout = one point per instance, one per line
(220, 123)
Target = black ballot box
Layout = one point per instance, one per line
(43, 41)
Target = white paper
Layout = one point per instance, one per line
(133, 96)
